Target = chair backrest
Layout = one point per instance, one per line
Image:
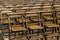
(18, 38)
(35, 8)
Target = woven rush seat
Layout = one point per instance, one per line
(36, 37)
(48, 17)
(50, 24)
(34, 26)
(3, 17)
(21, 20)
(45, 11)
(18, 28)
(35, 19)
(47, 7)
(52, 35)
(6, 21)
(6, 11)
(58, 15)
(18, 38)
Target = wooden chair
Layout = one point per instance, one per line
(4, 22)
(16, 27)
(32, 24)
(52, 26)
(38, 4)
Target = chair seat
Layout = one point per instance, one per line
(47, 6)
(24, 8)
(37, 7)
(18, 28)
(50, 24)
(18, 38)
(29, 12)
(20, 5)
(3, 17)
(58, 16)
(56, 5)
(36, 38)
(6, 11)
(34, 26)
(5, 30)
(3, 9)
(32, 15)
(9, 6)
(50, 35)
(21, 20)
(57, 34)
(57, 9)
(6, 21)
(1, 6)
(15, 16)
(48, 17)
(47, 11)
(38, 4)
(36, 19)
(58, 21)
(47, 14)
